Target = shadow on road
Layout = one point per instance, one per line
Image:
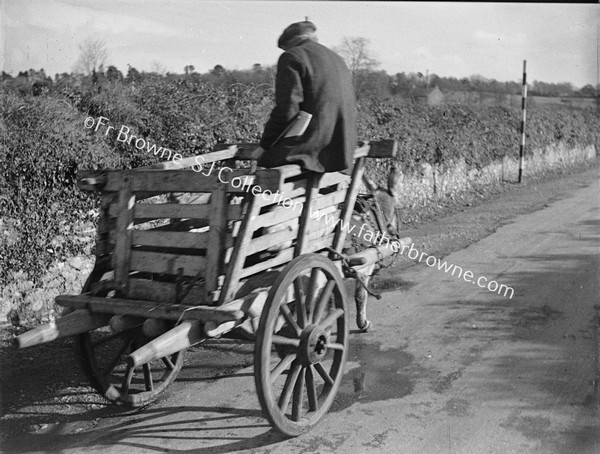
(150, 424)
(538, 353)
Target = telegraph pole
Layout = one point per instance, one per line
(523, 118)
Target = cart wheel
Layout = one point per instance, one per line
(302, 344)
(102, 355)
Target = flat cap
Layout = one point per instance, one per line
(295, 30)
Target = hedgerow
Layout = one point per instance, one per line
(476, 134)
(42, 148)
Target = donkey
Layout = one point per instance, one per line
(376, 210)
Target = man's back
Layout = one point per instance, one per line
(316, 80)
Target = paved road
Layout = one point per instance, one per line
(450, 368)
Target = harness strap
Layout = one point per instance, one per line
(351, 272)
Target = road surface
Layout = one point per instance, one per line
(450, 368)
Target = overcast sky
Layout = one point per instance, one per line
(559, 41)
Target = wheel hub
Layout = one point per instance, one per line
(313, 345)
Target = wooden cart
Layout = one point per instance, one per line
(184, 254)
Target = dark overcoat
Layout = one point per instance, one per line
(312, 78)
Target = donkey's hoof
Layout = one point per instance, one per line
(366, 327)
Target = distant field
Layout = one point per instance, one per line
(502, 99)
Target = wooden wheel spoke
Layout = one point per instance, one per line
(115, 359)
(281, 366)
(312, 292)
(331, 318)
(168, 362)
(106, 366)
(311, 390)
(288, 387)
(148, 377)
(127, 379)
(289, 318)
(282, 340)
(300, 301)
(335, 346)
(298, 393)
(323, 300)
(324, 374)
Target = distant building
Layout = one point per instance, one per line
(435, 97)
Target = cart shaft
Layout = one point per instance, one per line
(77, 322)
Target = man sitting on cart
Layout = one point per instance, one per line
(311, 79)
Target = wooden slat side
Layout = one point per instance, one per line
(291, 191)
(239, 254)
(312, 186)
(167, 225)
(235, 211)
(199, 160)
(282, 257)
(164, 292)
(273, 179)
(362, 151)
(183, 240)
(216, 238)
(181, 180)
(357, 173)
(331, 178)
(328, 200)
(172, 210)
(383, 149)
(122, 253)
(187, 211)
(157, 262)
(152, 309)
(287, 255)
(272, 239)
(275, 217)
(282, 214)
(322, 241)
(321, 229)
(243, 151)
(106, 230)
(221, 153)
(290, 233)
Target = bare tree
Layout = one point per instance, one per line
(360, 59)
(355, 51)
(92, 57)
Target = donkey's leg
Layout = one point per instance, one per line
(360, 298)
